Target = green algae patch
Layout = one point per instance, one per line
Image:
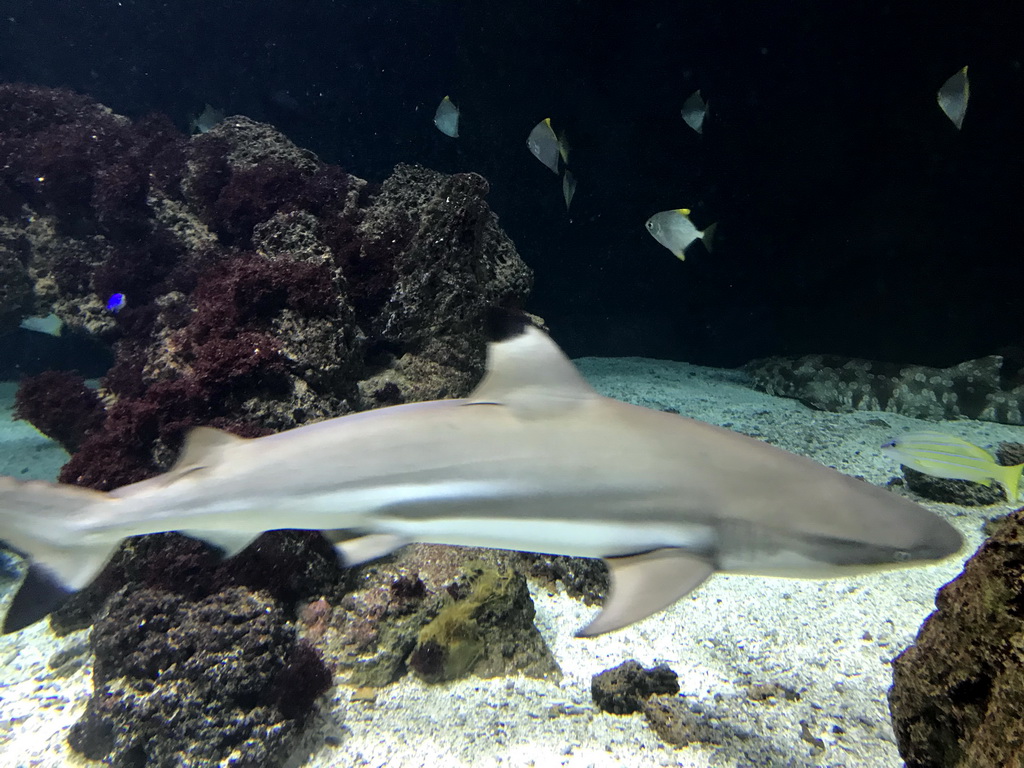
(485, 628)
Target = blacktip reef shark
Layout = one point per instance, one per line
(533, 459)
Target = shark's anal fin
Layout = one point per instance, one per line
(362, 549)
(229, 542)
(645, 584)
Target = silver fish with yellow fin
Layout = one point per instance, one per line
(953, 97)
(675, 231)
(547, 146)
(206, 120)
(694, 111)
(446, 118)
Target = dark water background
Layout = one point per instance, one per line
(853, 217)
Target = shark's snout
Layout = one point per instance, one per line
(941, 540)
(919, 535)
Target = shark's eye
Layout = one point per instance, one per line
(900, 556)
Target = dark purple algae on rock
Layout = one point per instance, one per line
(60, 405)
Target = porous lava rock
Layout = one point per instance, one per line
(623, 690)
(187, 630)
(677, 723)
(961, 492)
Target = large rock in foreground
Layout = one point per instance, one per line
(957, 698)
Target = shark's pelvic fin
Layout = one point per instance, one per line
(645, 584)
(529, 373)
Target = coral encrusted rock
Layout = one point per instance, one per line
(989, 388)
(957, 692)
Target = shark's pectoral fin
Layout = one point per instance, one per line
(362, 549)
(645, 584)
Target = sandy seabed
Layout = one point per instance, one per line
(830, 641)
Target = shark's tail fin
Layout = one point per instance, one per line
(43, 522)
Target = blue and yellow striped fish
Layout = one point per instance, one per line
(950, 457)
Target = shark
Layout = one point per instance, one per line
(533, 459)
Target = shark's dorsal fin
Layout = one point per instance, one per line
(528, 372)
(203, 446)
(645, 584)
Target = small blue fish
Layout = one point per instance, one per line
(116, 302)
